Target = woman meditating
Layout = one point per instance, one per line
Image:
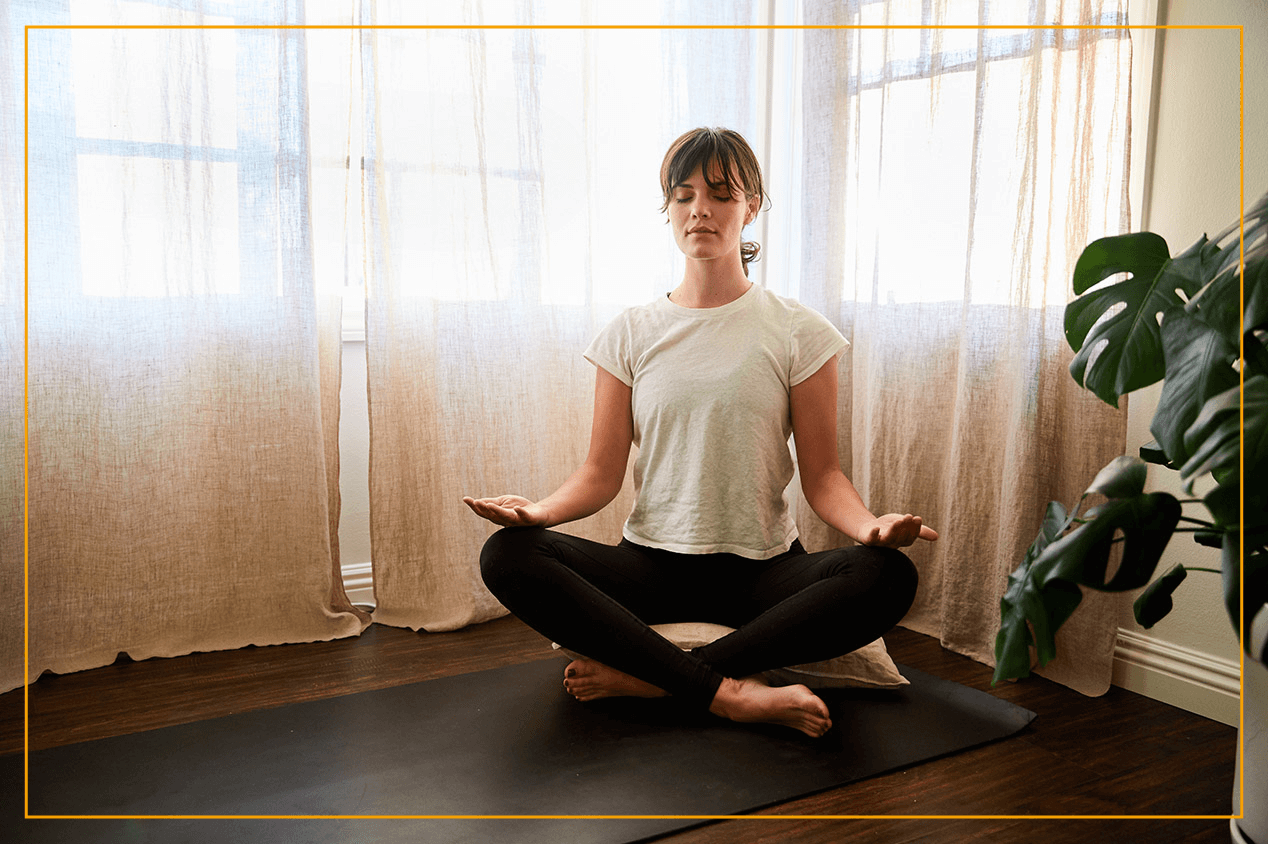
(709, 383)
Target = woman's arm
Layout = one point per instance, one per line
(594, 484)
(827, 489)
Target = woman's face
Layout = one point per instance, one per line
(706, 218)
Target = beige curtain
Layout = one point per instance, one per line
(511, 189)
(951, 178)
(11, 378)
(183, 369)
(931, 188)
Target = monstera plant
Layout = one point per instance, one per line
(1198, 322)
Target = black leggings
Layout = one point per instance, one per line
(599, 600)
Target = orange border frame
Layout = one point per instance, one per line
(27, 814)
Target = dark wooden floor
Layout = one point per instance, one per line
(1121, 754)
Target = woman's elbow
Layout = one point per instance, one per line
(817, 484)
(606, 480)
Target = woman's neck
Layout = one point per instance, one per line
(711, 284)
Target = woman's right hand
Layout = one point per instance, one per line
(509, 511)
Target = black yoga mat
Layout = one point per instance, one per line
(506, 741)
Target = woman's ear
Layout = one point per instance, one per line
(754, 204)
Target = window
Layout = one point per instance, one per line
(442, 153)
(944, 147)
(153, 134)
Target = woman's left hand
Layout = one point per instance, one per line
(896, 531)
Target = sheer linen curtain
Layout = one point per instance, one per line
(511, 191)
(183, 371)
(11, 345)
(951, 177)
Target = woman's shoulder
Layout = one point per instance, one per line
(775, 301)
(635, 316)
(631, 322)
(790, 311)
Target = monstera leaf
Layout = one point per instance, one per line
(1218, 442)
(1199, 365)
(1220, 306)
(1253, 574)
(1123, 477)
(1047, 587)
(1023, 603)
(1155, 602)
(1114, 327)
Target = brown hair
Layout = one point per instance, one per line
(725, 148)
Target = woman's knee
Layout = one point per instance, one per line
(899, 576)
(506, 552)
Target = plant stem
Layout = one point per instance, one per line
(1205, 524)
(1197, 522)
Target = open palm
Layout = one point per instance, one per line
(508, 510)
(897, 531)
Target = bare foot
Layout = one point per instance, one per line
(751, 701)
(586, 679)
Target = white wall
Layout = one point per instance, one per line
(1189, 659)
(354, 477)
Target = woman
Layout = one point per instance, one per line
(709, 383)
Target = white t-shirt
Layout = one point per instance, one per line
(712, 418)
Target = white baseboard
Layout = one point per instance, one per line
(358, 582)
(1191, 680)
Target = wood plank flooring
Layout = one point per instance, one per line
(1121, 754)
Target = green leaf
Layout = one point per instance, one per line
(1124, 477)
(1155, 602)
(1193, 268)
(1151, 452)
(1141, 254)
(1212, 538)
(1081, 556)
(1219, 305)
(1047, 587)
(1199, 365)
(1253, 227)
(1256, 291)
(1255, 575)
(1055, 521)
(1215, 439)
(1021, 602)
(1255, 319)
(1060, 598)
(1254, 230)
(1126, 344)
(1225, 504)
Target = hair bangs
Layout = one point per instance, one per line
(715, 153)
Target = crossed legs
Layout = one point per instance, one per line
(600, 600)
